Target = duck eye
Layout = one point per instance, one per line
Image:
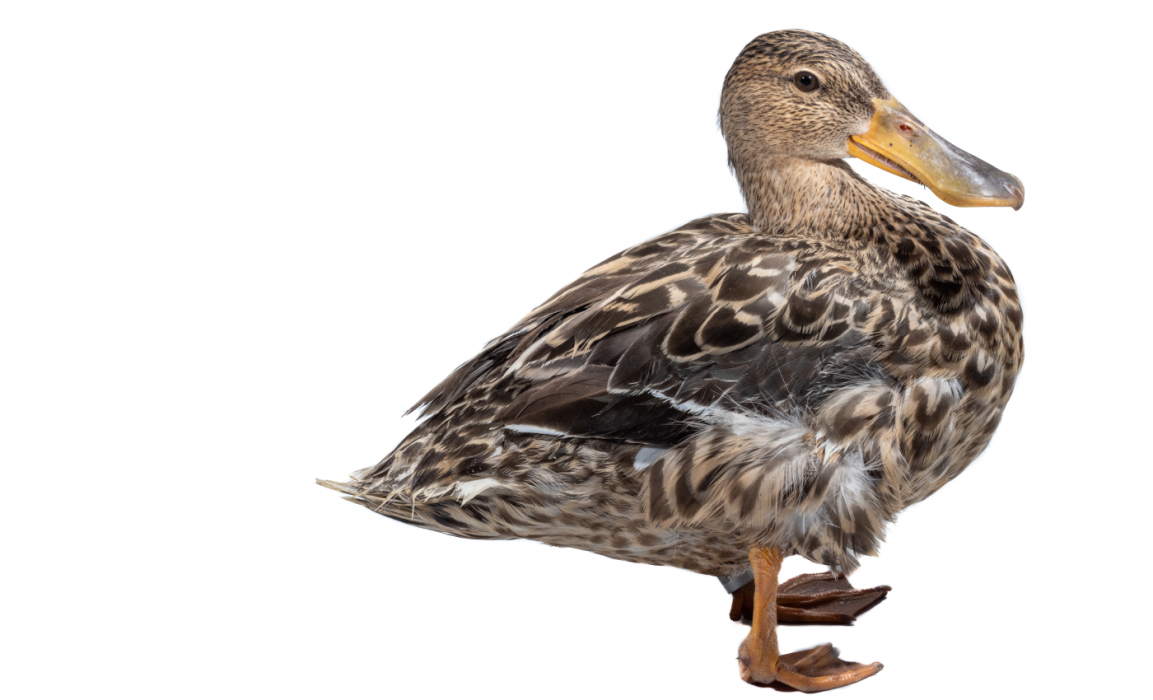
(806, 81)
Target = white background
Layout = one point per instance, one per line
(239, 239)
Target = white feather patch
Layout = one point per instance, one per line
(533, 430)
(647, 455)
(468, 490)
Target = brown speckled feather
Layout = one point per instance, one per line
(793, 377)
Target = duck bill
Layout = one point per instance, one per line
(899, 143)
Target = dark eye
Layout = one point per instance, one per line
(806, 81)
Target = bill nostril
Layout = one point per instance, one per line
(905, 128)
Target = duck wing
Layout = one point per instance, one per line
(711, 317)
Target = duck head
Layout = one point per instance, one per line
(801, 96)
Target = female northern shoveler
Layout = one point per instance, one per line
(748, 386)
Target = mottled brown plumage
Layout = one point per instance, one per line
(789, 378)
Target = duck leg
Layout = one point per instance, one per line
(812, 599)
(759, 659)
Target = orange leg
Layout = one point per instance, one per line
(760, 660)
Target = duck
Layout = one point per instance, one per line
(750, 386)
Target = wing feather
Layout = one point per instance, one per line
(706, 317)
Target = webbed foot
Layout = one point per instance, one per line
(812, 599)
(817, 669)
(758, 658)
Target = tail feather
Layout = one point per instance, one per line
(447, 516)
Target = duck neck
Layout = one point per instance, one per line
(814, 198)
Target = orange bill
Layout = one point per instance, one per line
(899, 143)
